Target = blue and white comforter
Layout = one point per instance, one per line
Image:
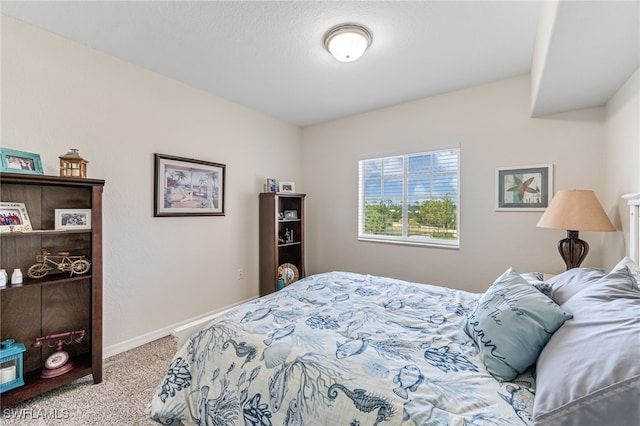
(340, 349)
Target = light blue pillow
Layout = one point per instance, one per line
(511, 324)
(536, 279)
(533, 277)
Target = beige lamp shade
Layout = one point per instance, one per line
(576, 210)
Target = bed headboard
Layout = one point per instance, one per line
(634, 226)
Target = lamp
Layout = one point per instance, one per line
(575, 210)
(347, 42)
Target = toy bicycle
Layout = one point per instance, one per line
(62, 262)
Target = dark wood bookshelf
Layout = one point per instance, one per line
(58, 302)
(34, 385)
(273, 252)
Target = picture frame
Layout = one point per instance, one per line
(13, 161)
(524, 188)
(287, 187)
(188, 187)
(14, 217)
(72, 219)
(290, 214)
(271, 185)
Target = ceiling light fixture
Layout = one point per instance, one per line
(347, 42)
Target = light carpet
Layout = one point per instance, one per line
(128, 381)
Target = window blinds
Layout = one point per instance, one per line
(410, 198)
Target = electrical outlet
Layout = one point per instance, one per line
(241, 274)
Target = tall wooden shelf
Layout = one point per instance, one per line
(57, 302)
(273, 250)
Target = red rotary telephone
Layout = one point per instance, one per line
(58, 362)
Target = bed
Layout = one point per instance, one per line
(342, 348)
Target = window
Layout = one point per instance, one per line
(410, 198)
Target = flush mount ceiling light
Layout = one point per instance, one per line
(347, 42)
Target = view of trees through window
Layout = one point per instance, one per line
(410, 197)
(434, 218)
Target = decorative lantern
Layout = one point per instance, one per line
(72, 165)
(11, 365)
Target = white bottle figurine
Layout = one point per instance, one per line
(16, 277)
(3, 278)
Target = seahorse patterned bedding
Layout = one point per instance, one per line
(341, 349)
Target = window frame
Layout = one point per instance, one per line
(405, 238)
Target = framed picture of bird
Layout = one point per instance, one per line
(526, 188)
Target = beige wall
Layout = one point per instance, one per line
(160, 272)
(493, 127)
(621, 156)
(157, 271)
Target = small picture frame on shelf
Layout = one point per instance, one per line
(271, 186)
(72, 219)
(287, 187)
(14, 217)
(291, 214)
(286, 237)
(13, 161)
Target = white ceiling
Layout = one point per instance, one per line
(269, 55)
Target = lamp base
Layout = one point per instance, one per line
(573, 250)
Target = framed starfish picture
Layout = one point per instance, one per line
(524, 188)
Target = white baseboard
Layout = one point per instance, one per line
(112, 350)
(180, 331)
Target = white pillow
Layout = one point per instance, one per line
(588, 374)
(569, 283)
(633, 268)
